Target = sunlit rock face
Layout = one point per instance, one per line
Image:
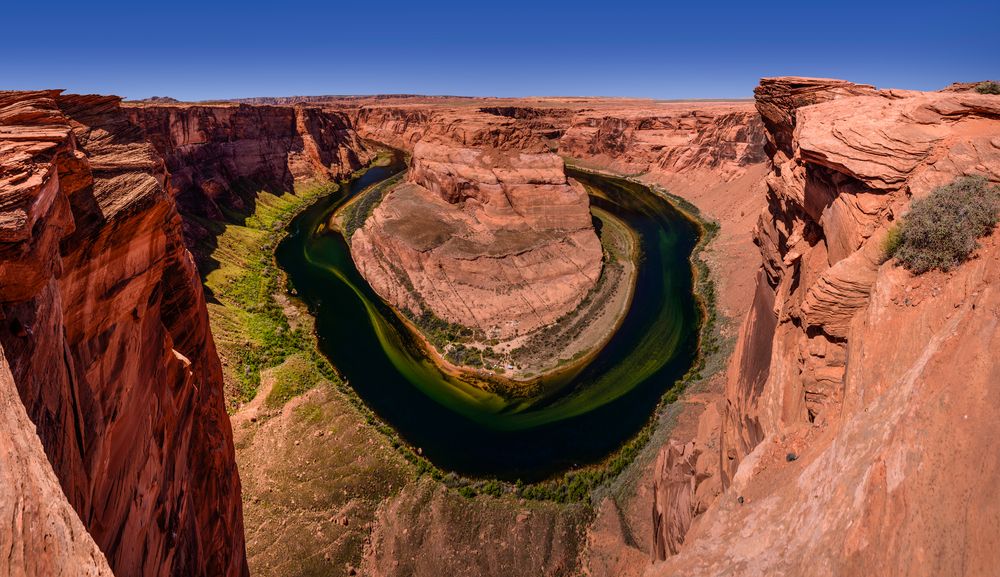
(106, 337)
(491, 237)
(859, 416)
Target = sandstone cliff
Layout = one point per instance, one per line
(107, 341)
(668, 138)
(516, 126)
(494, 238)
(219, 157)
(856, 427)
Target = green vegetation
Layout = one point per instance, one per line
(893, 239)
(250, 326)
(940, 231)
(358, 211)
(293, 377)
(988, 87)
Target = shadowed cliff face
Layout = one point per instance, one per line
(105, 333)
(219, 157)
(856, 429)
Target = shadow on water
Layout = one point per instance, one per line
(463, 429)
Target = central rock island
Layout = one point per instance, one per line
(491, 252)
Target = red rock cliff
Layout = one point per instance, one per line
(668, 137)
(492, 238)
(859, 423)
(106, 336)
(219, 156)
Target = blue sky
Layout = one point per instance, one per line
(203, 50)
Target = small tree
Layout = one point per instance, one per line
(940, 231)
(988, 87)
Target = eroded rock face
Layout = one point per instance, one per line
(513, 127)
(41, 532)
(668, 138)
(857, 435)
(219, 156)
(106, 335)
(491, 238)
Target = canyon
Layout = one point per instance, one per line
(107, 346)
(494, 240)
(842, 425)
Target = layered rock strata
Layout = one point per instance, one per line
(491, 238)
(220, 156)
(668, 138)
(105, 333)
(856, 436)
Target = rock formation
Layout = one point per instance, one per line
(107, 341)
(856, 429)
(494, 237)
(220, 156)
(668, 138)
(853, 433)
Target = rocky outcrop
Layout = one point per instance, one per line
(492, 238)
(41, 533)
(220, 156)
(668, 138)
(856, 428)
(523, 128)
(106, 336)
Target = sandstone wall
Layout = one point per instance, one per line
(857, 422)
(220, 156)
(523, 127)
(492, 238)
(668, 138)
(106, 335)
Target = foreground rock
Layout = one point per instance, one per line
(857, 427)
(106, 338)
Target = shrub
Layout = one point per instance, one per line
(988, 87)
(940, 231)
(892, 241)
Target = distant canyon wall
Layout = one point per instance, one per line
(630, 137)
(220, 156)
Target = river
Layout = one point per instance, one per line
(463, 429)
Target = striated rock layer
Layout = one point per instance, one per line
(668, 138)
(857, 429)
(492, 238)
(220, 156)
(106, 336)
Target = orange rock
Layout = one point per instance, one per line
(106, 335)
(881, 390)
(491, 238)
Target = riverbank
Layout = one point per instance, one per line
(526, 365)
(255, 327)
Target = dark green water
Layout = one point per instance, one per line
(463, 429)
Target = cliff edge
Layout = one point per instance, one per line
(856, 426)
(106, 337)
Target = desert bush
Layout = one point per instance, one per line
(940, 231)
(988, 87)
(893, 238)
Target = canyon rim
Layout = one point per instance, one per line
(401, 335)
